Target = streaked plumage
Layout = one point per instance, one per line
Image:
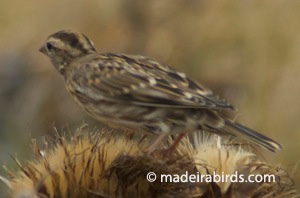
(139, 93)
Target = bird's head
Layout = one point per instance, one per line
(65, 46)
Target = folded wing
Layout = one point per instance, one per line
(142, 81)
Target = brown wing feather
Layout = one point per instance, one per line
(142, 81)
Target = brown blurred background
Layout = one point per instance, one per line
(247, 51)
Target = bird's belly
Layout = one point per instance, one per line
(147, 120)
(144, 120)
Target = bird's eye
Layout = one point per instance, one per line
(49, 46)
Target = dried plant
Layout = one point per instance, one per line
(102, 164)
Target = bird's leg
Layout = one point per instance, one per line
(142, 139)
(156, 143)
(175, 143)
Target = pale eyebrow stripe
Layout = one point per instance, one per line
(72, 40)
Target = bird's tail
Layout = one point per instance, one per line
(243, 132)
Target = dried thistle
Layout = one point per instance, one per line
(101, 164)
(228, 158)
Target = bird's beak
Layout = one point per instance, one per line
(43, 50)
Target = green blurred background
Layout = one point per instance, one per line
(247, 51)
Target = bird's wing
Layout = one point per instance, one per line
(138, 80)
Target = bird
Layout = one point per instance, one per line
(138, 93)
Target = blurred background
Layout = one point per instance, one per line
(246, 51)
